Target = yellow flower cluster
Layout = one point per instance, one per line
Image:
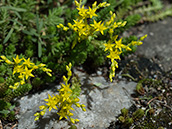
(85, 30)
(81, 25)
(63, 101)
(23, 69)
(115, 47)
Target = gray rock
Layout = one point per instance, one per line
(158, 44)
(103, 104)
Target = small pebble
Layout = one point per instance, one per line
(120, 77)
(143, 108)
(163, 90)
(151, 34)
(155, 76)
(99, 73)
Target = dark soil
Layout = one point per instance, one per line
(155, 97)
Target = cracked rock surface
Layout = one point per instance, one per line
(103, 105)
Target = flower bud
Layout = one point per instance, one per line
(76, 120)
(3, 57)
(36, 114)
(72, 120)
(65, 28)
(70, 114)
(49, 74)
(143, 37)
(8, 61)
(76, 3)
(111, 12)
(42, 107)
(37, 118)
(42, 113)
(77, 104)
(64, 79)
(70, 65)
(94, 5)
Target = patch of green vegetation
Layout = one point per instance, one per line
(7, 111)
(126, 120)
(161, 120)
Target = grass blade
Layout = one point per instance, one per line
(8, 36)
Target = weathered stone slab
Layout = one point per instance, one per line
(158, 44)
(103, 104)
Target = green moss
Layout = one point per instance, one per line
(1, 48)
(1, 80)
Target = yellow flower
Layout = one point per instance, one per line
(17, 60)
(27, 62)
(27, 73)
(114, 55)
(67, 107)
(65, 92)
(22, 82)
(119, 45)
(109, 46)
(81, 31)
(91, 12)
(96, 25)
(99, 27)
(82, 11)
(78, 23)
(62, 114)
(17, 69)
(52, 101)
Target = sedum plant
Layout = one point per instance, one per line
(23, 69)
(87, 28)
(62, 102)
(17, 83)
